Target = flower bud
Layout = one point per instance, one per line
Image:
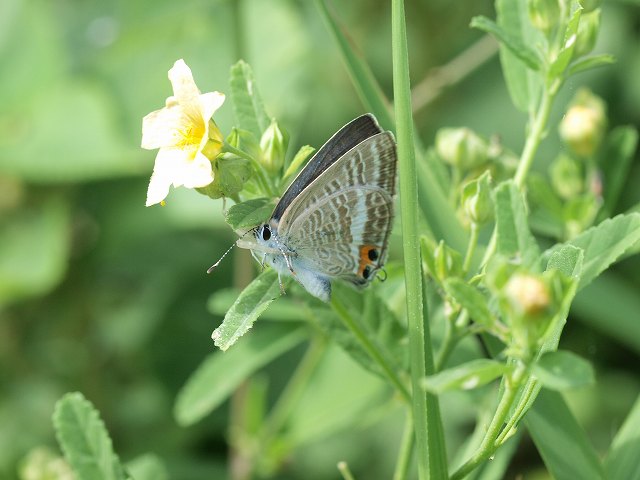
(448, 262)
(476, 199)
(214, 144)
(589, 5)
(527, 294)
(587, 33)
(584, 124)
(566, 177)
(543, 14)
(461, 147)
(274, 147)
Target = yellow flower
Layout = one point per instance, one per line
(181, 131)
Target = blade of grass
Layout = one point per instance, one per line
(429, 439)
(437, 211)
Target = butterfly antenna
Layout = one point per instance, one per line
(379, 277)
(213, 267)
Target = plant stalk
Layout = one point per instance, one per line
(429, 438)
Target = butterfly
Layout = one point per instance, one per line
(334, 220)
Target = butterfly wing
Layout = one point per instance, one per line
(339, 224)
(341, 142)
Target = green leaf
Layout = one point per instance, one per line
(247, 103)
(568, 259)
(604, 244)
(562, 370)
(560, 440)
(513, 43)
(564, 56)
(84, 439)
(523, 84)
(471, 299)
(621, 463)
(512, 231)
(219, 374)
(615, 160)
(589, 62)
(299, 158)
(147, 467)
(253, 300)
(30, 266)
(249, 214)
(230, 173)
(593, 306)
(465, 377)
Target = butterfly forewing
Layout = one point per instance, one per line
(339, 224)
(340, 143)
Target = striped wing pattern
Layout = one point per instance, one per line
(344, 214)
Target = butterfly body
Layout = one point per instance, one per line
(334, 220)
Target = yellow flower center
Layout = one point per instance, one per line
(191, 135)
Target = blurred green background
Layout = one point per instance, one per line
(102, 295)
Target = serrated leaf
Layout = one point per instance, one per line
(84, 439)
(219, 374)
(568, 259)
(299, 158)
(621, 462)
(523, 84)
(561, 370)
(249, 214)
(471, 299)
(512, 231)
(247, 103)
(589, 62)
(465, 377)
(564, 56)
(513, 43)
(253, 300)
(604, 244)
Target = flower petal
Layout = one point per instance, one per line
(163, 173)
(163, 128)
(184, 87)
(209, 103)
(196, 172)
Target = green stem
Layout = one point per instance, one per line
(266, 185)
(294, 389)
(369, 347)
(429, 437)
(517, 413)
(471, 247)
(343, 468)
(488, 445)
(535, 136)
(406, 449)
(451, 338)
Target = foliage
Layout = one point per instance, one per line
(503, 304)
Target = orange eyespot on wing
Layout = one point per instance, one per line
(369, 256)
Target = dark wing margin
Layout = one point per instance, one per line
(352, 134)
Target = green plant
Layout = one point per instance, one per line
(477, 268)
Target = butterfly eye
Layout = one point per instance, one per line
(266, 233)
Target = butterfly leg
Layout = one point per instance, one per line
(282, 290)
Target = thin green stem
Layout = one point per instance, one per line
(369, 347)
(265, 184)
(343, 468)
(294, 389)
(517, 412)
(452, 336)
(536, 134)
(488, 445)
(429, 437)
(471, 247)
(406, 450)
